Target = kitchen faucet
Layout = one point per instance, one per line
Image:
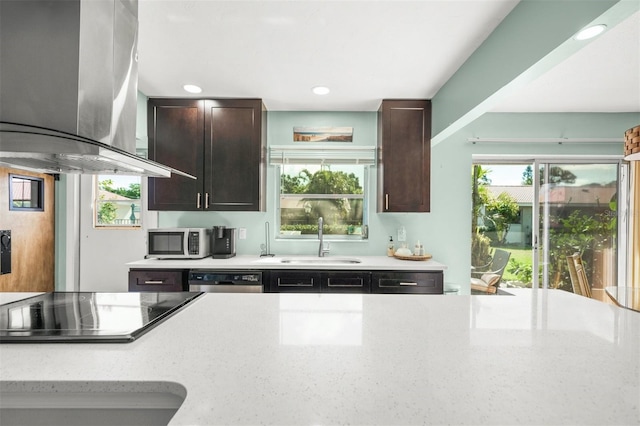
(321, 250)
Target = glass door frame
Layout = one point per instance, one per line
(539, 234)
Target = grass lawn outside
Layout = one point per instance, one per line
(521, 255)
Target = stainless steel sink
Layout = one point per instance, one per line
(320, 260)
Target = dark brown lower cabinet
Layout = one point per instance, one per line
(294, 281)
(158, 280)
(407, 282)
(346, 282)
(303, 281)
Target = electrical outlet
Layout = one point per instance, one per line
(402, 234)
(242, 233)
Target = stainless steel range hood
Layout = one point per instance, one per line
(68, 87)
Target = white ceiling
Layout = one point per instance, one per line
(604, 76)
(364, 51)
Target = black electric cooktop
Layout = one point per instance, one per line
(83, 317)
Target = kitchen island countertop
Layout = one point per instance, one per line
(534, 357)
(259, 263)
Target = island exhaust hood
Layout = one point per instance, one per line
(68, 87)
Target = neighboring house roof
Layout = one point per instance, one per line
(521, 193)
(593, 195)
(589, 195)
(110, 196)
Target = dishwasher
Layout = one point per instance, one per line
(216, 281)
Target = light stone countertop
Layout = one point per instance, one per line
(367, 263)
(543, 357)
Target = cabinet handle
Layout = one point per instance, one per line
(386, 201)
(299, 283)
(401, 283)
(206, 200)
(154, 282)
(198, 200)
(360, 284)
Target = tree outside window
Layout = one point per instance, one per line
(117, 201)
(335, 193)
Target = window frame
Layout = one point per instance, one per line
(40, 192)
(96, 203)
(365, 196)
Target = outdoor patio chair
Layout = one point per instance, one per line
(579, 280)
(487, 280)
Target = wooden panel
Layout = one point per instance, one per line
(32, 239)
(176, 139)
(407, 282)
(346, 282)
(233, 154)
(157, 280)
(294, 281)
(404, 162)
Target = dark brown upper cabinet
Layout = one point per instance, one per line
(220, 141)
(404, 155)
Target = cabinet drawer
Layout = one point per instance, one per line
(294, 281)
(408, 282)
(156, 280)
(346, 282)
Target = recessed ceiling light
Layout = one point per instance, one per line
(192, 88)
(590, 32)
(320, 90)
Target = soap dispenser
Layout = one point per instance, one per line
(390, 247)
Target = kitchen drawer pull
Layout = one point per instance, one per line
(408, 283)
(338, 284)
(282, 283)
(154, 282)
(199, 201)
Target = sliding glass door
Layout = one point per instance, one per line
(578, 216)
(549, 215)
(502, 224)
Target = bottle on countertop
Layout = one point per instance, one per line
(390, 248)
(416, 248)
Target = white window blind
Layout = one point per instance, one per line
(287, 154)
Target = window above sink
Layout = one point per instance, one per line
(324, 180)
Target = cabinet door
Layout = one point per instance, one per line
(404, 165)
(234, 155)
(176, 138)
(407, 282)
(294, 282)
(346, 282)
(157, 280)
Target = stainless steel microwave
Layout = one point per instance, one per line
(179, 243)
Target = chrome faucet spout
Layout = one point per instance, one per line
(321, 249)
